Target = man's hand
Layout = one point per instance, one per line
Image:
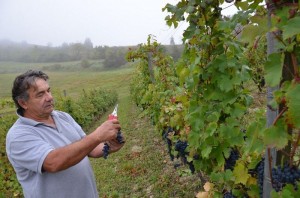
(108, 130)
(114, 145)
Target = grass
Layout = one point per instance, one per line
(74, 82)
(142, 168)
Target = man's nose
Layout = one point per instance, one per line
(49, 96)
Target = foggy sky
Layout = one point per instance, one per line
(105, 22)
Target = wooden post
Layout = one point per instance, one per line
(271, 153)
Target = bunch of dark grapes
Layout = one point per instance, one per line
(191, 167)
(285, 175)
(231, 160)
(228, 195)
(120, 138)
(168, 141)
(105, 150)
(180, 146)
(106, 147)
(260, 176)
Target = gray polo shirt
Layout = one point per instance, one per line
(28, 143)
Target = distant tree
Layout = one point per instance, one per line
(88, 43)
(77, 50)
(99, 52)
(64, 45)
(114, 57)
(175, 52)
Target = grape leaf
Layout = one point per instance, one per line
(276, 136)
(240, 173)
(206, 151)
(250, 32)
(273, 69)
(293, 103)
(225, 83)
(291, 28)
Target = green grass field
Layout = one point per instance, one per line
(142, 168)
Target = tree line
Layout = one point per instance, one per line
(112, 56)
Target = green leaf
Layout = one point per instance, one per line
(225, 83)
(293, 103)
(238, 110)
(190, 9)
(213, 117)
(253, 142)
(292, 28)
(257, 28)
(228, 176)
(250, 32)
(273, 69)
(243, 5)
(276, 136)
(183, 74)
(206, 151)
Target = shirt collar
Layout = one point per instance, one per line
(31, 122)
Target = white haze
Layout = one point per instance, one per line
(110, 22)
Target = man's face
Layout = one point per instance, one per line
(40, 102)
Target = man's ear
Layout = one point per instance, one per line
(22, 103)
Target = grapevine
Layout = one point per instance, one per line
(206, 96)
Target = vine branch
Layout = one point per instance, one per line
(295, 65)
(279, 115)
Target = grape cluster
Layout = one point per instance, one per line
(191, 166)
(260, 176)
(168, 141)
(106, 147)
(228, 195)
(105, 150)
(120, 138)
(284, 175)
(231, 160)
(180, 146)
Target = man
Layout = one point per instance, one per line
(48, 149)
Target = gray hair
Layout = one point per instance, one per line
(24, 82)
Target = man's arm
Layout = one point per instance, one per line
(67, 156)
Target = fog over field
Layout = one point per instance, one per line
(110, 23)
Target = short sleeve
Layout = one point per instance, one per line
(27, 149)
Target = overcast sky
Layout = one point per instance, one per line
(105, 22)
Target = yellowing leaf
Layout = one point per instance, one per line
(208, 186)
(241, 174)
(202, 195)
(252, 181)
